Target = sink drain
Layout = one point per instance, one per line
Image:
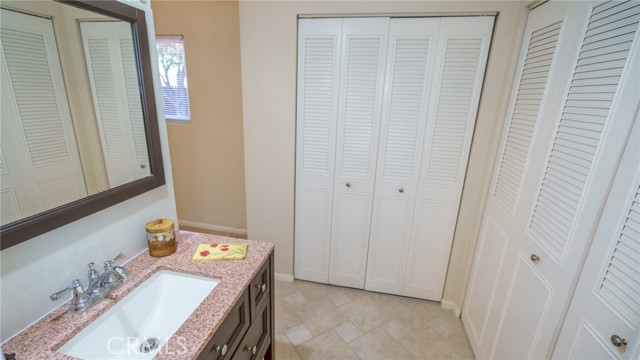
(148, 345)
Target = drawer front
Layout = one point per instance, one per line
(226, 340)
(255, 343)
(260, 287)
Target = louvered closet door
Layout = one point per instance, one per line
(409, 74)
(607, 299)
(40, 164)
(463, 46)
(319, 45)
(108, 48)
(364, 45)
(560, 149)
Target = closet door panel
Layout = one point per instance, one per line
(463, 47)
(111, 66)
(579, 164)
(548, 51)
(574, 154)
(389, 252)
(607, 297)
(318, 70)
(41, 166)
(410, 63)
(364, 44)
(429, 248)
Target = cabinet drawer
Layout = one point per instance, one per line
(260, 287)
(225, 341)
(255, 343)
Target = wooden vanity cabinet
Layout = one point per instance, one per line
(246, 332)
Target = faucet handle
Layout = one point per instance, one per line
(109, 263)
(93, 273)
(118, 257)
(75, 284)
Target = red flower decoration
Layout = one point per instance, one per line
(204, 253)
(214, 245)
(224, 249)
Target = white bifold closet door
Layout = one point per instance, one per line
(111, 62)
(434, 76)
(386, 110)
(364, 49)
(319, 44)
(607, 300)
(39, 161)
(572, 107)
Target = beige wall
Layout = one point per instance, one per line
(207, 154)
(268, 42)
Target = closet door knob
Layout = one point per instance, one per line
(401, 190)
(348, 184)
(535, 258)
(251, 349)
(617, 341)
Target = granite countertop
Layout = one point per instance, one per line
(43, 338)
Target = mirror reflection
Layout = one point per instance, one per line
(71, 114)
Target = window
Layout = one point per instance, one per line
(173, 77)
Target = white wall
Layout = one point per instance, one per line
(268, 37)
(34, 269)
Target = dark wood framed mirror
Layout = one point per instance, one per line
(24, 227)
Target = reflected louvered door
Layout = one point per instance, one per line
(40, 163)
(364, 45)
(319, 46)
(134, 103)
(607, 299)
(558, 158)
(410, 66)
(463, 46)
(111, 66)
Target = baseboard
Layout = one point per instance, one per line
(451, 305)
(283, 277)
(213, 227)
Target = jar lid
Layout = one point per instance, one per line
(159, 225)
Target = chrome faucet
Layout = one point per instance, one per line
(98, 287)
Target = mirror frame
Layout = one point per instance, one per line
(29, 227)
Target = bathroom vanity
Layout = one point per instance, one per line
(234, 321)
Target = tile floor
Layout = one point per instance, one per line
(316, 321)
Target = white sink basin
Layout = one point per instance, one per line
(155, 309)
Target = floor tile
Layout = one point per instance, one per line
(298, 334)
(318, 321)
(284, 349)
(314, 291)
(348, 332)
(340, 298)
(326, 347)
(294, 300)
(396, 329)
(320, 315)
(378, 344)
(284, 288)
(285, 318)
(365, 314)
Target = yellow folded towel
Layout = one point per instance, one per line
(215, 251)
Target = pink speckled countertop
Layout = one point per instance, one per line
(42, 339)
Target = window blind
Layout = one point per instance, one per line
(173, 77)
